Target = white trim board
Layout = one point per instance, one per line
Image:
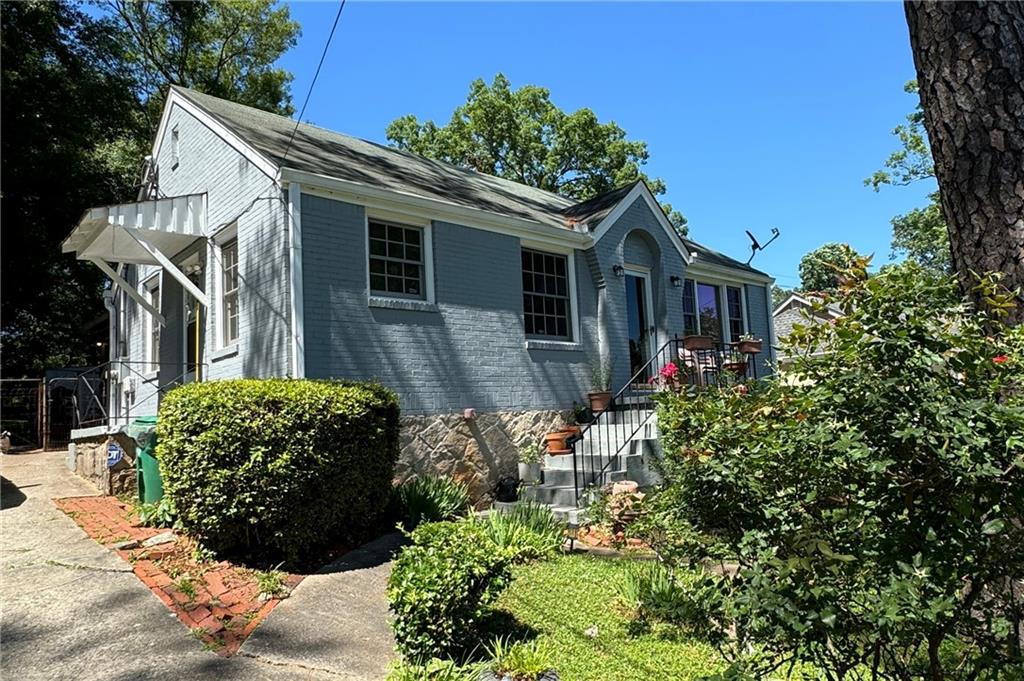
(641, 190)
(706, 269)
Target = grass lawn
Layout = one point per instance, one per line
(562, 598)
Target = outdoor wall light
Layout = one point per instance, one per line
(676, 282)
(618, 271)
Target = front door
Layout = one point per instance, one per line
(194, 323)
(639, 323)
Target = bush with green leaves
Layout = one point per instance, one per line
(518, 660)
(431, 499)
(527, 531)
(432, 670)
(277, 468)
(440, 588)
(870, 501)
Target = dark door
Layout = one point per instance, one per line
(638, 322)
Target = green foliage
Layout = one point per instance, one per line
(440, 588)
(526, 532)
(870, 502)
(681, 597)
(270, 582)
(820, 269)
(159, 514)
(921, 235)
(276, 467)
(431, 499)
(521, 135)
(531, 451)
(779, 295)
(434, 670)
(518, 660)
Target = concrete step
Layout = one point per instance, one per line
(561, 478)
(583, 462)
(561, 495)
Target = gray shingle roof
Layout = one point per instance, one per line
(325, 152)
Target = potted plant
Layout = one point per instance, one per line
(735, 362)
(698, 342)
(749, 345)
(557, 441)
(601, 381)
(506, 494)
(530, 456)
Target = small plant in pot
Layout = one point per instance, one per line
(531, 454)
(736, 363)
(506, 494)
(749, 345)
(600, 396)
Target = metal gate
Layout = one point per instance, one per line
(22, 412)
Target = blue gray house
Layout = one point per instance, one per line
(254, 253)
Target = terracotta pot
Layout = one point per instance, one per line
(599, 400)
(749, 347)
(625, 487)
(555, 441)
(698, 342)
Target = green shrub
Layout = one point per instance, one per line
(431, 499)
(159, 514)
(277, 468)
(872, 498)
(681, 597)
(433, 670)
(526, 532)
(440, 588)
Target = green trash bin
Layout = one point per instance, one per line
(147, 471)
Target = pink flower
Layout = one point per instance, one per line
(669, 370)
(1000, 359)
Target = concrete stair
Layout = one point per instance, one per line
(611, 446)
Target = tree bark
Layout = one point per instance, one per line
(970, 70)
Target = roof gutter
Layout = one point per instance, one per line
(434, 209)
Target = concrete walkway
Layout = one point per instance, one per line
(71, 609)
(336, 619)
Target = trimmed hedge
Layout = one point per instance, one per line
(278, 468)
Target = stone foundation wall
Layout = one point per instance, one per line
(91, 464)
(475, 451)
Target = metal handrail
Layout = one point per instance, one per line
(705, 361)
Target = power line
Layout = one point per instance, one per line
(316, 75)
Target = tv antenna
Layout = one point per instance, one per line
(755, 246)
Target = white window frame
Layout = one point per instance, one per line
(150, 353)
(175, 147)
(723, 304)
(225, 236)
(574, 307)
(427, 250)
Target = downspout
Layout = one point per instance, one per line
(294, 217)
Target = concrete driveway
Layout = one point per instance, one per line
(71, 609)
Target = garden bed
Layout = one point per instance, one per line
(219, 602)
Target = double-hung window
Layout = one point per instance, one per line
(229, 292)
(713, 310)
(397, 267)
(546, 303)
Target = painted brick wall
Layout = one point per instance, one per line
(637, 238)
(759, 317)
(236, 191)
(469, 352)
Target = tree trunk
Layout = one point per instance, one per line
(970, 70)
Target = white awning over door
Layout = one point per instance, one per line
(141, 233)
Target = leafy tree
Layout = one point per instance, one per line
(865, 515)
(82, 97)
(64, 99)
(820, 269)
(521, 135)
(971, 98)
(921, 235)
(780, 294)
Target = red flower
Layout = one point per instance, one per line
(669, 370)
(1000, 359)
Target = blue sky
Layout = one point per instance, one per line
(756, 115)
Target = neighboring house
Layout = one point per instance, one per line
(262, 249)
(799, 308)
